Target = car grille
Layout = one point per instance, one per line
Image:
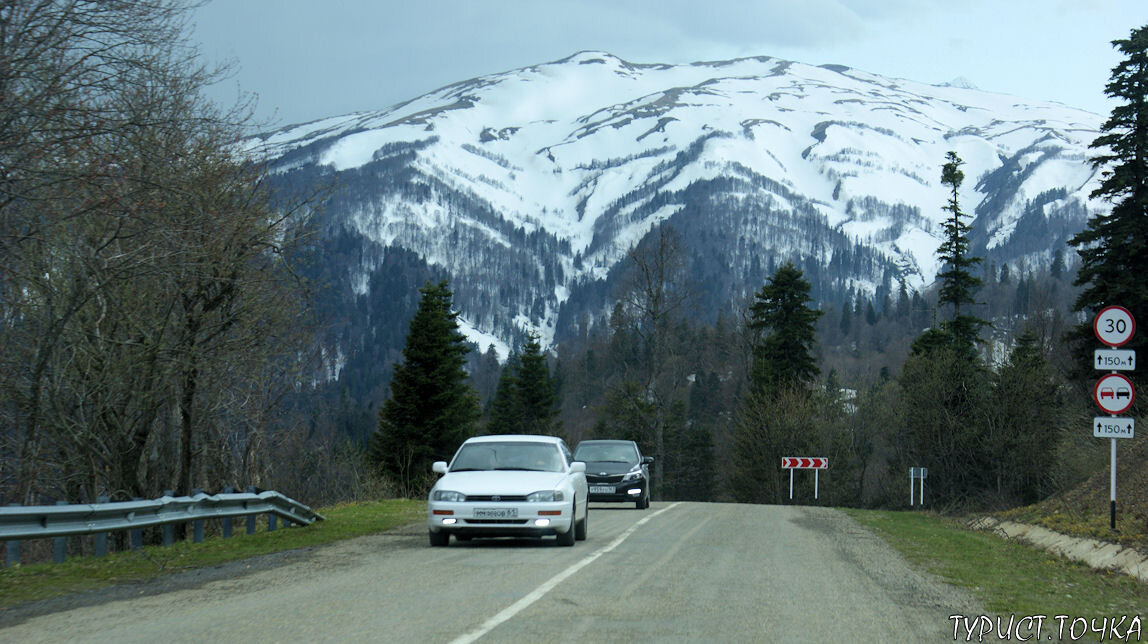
(496, 498)
(610, 480)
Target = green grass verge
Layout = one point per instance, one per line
(32, 582)
(1009, 578)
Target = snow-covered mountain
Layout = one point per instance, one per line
(527, 188)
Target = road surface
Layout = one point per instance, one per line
(677, 572)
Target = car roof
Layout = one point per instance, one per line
(606, 441)
(514, 438)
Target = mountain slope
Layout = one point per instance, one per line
(527, 188)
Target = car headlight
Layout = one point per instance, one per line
(632, 475)
(448, 496)
(546, 496)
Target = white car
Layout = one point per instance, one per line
(509, 485)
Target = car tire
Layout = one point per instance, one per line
(643, 502)
(439, 539)
(582, 527)
(567, 538)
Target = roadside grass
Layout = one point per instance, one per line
(1009, 578)
(38, 581)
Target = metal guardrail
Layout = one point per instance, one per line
(60, 521)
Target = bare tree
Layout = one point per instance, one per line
(151, 315)
(655, 297)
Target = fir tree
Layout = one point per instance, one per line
(784, 358)
(1113, 248)
(527, 399)
(536, 391)
(432, 408)
(957, 281)
(505, 415)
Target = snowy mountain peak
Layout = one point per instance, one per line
(529, 186)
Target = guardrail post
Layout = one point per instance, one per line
(272, 522)
(60, 544)
(168, 529)
(251, 517)
(227, 521)
(135, 535)
(101, 538)
(13, 557)
(197, 525)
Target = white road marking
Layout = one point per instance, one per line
(540, 592)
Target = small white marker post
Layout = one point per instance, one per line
(921, 473)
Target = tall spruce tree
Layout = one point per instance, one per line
(783, 358)
(537, 394)
(958, 283)
(432, 407)
(526, 401)
(1113, 248)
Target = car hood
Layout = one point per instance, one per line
(505, 482)
(609, 467)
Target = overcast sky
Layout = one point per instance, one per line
(308, 59)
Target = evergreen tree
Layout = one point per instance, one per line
(784, 358)
(432, 408)
(1025, 423)
(536, 391)
(1113, 248)
(505, 414)
(526, 401)
(957, 282)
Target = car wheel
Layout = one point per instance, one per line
(567, 538)
(643, 502)
(581, 527)
(440, 538)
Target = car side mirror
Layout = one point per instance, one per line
(646, 460)
(439, 467)
(577, 466)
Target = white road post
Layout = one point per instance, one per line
(911, 473)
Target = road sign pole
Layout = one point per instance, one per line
(910, 487)
(815, 473)
(1114, 326)
(1112, 488)
(791, 484)
(921, 496)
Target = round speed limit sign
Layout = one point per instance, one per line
(1114, 326)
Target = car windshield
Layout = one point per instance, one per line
(606, 453)
(517, 455)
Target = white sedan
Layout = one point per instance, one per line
(509, 485)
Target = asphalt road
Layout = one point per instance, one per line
(680, 572)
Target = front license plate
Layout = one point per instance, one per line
(496, 513)
(601, 489)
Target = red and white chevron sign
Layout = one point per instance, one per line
(804, 463)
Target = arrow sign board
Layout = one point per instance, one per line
(804, 463)
(1114, 393)
(1114, 326)
(1103, 427)
(1114, 359)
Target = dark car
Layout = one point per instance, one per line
(616, 471)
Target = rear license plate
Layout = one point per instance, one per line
(496, 513)
(601, 489)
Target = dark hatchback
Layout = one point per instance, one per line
(616, 471)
